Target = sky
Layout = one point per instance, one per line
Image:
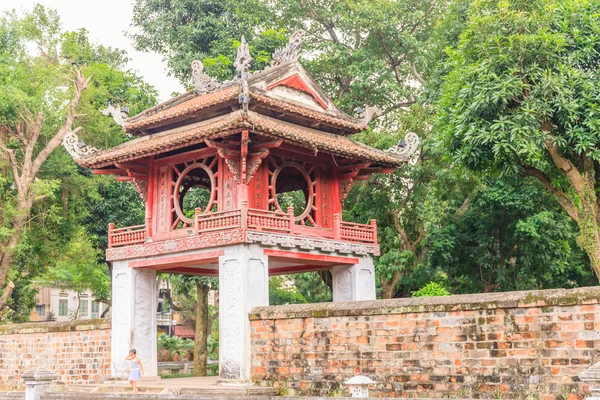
(107, 21)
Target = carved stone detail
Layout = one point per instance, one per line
(366, 282)
(76, 148)
(406, 148)
(117, 114)
(141, 187)
(288, 241)
(120, 323)
(176, 245)
(291, 51)
(344, 285)
(203, 83)
(143, 306)
(232, 319)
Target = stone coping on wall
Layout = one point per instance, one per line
(54, 326)
(464, 302)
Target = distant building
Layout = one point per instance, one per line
(55, 304)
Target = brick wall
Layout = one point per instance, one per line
(78, 352)
(500, 345)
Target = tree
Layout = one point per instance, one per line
(522, 96)
(184, 284)
(51, 83)
(77, 269)
(32, 137)
(513, 237)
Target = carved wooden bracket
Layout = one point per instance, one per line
(243, 163)
(345, 186)
(141, 187)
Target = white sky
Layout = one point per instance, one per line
(107, 21)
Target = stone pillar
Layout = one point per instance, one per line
(591, 376)
(37, 382)
(356, 282)
(243, 284)
(134, 304)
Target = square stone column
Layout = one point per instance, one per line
(134, 304)
(243, 284)
(356, 282)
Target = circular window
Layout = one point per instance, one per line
(194, 189)
(293, 188)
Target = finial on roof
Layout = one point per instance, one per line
(77, 148)
(291, 51)
(242, 66)
(117, 113)
(407, 147)
(203, 83)
(368, 115)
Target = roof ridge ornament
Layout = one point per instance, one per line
(242, 66)
(203, 83)
(77, 148)
(291, 51)
(368, 114)
(405, 148)
(117, 113)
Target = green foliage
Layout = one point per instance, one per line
(521, 97)
(35, 56)
(432, 289)
(77, 268)
(283, 291)
(174, 345)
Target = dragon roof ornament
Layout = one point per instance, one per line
(203, 83)
(117, 113)
(291, 51)
(77, 148)
(405, 148)
(242, 66)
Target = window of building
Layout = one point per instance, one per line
(83, 308)
(41, 310)
(63, 307)
(95, 309)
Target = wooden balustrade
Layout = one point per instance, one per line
(363, 233)
(126, 236)
(265, 220)
(218, 221)
(256, 220)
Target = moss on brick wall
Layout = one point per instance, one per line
(499, 345)
(77, 351)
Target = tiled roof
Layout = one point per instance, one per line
(322, 141)
(199, 103)
(163, 141)
(182, 109)
(260, 124)
(351, 124)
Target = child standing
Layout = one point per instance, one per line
(136, 369)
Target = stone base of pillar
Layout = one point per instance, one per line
(37, 382)
(356, 282)
(243, 284)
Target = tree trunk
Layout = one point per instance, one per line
(201, 337)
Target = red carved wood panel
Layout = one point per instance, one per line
(324, 198)
(259, 188)
(228, 188)
(163, 203)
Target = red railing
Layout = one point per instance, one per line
(265, 220)
(126, 236)
(256, 220)
(218, 221)
(353, 232)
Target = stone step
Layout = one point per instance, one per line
(12, 395)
